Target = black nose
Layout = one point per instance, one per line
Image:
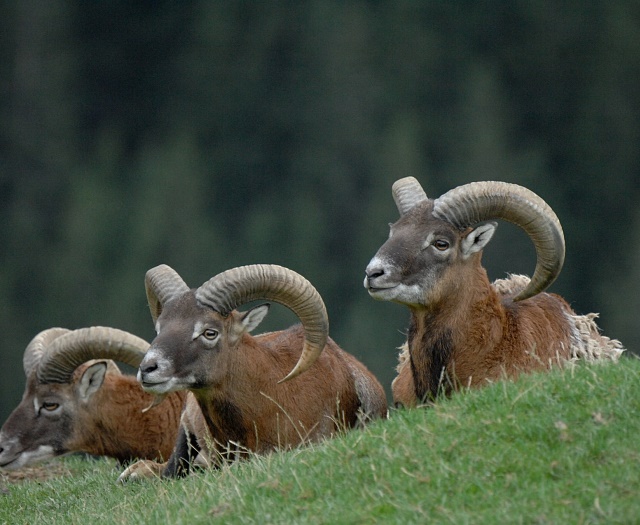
(147, 369)
(374, 272)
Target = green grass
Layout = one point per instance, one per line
(550, 448)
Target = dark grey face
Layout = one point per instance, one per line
(43, 423)
(411, 267)
(192, 348)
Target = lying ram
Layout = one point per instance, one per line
(464, 330)
(76, 400)
(239, 402)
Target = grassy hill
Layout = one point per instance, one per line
(553, 448)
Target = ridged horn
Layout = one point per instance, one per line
(469, 204)
(162, 284)
(407, 192)
(38, 346)
(67, 352)
(228, 290)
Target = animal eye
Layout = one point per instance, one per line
(210, 334)
(441, 244)
(50, 407)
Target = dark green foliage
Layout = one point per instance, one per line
(206, 135)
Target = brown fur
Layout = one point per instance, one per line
(464, 332)
(241, 408)
(312, 406)
(503, 338)
(111, 422)
(274, 416)
(122, 428)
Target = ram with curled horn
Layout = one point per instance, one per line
(77, 400)
(465, 331)
(248, 394)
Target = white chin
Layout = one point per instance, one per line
(384, 294)
(160, 388)
(30, 457)
(402, 294)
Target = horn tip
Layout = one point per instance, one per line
(403, 181)
(291, 375)
(157, 399)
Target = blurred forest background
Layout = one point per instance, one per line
(207, 135)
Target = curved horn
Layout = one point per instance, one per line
(69, 351)
(238, 286)
(407, 193)
(471, 203)
(162, 284)
(38, 347)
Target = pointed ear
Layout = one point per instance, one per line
(91, 380)
(252, 318)
(477, 238)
